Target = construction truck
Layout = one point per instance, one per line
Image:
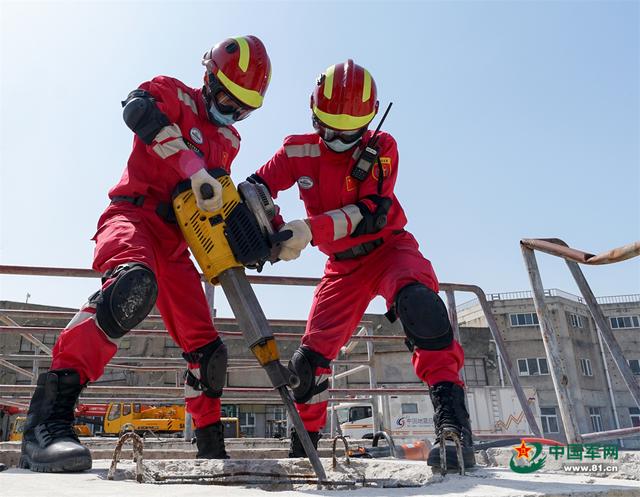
(134, 416)
(495, 413)
(17, 428)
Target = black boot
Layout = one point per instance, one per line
(210, 442)
(296, 449)
(49, 443)
(450, 414)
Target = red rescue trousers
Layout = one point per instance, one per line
(342, 297)
(126, 234)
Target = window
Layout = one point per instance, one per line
(634, 364)
(576, 320)
(621, 322)
(585, 365)
(126, 409)
(524, 319)
(549, 420)
(247, 423)
(474, 372)
(533, 366)
(229, 411)
(596, 418)
(114, 412)
(634, 414)
(360, 412)
(409, 408)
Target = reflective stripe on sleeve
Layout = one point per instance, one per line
(340, 223)
(354, 215)
(169, 141)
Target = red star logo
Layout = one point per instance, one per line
(523, 450)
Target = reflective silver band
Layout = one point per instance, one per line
(186, 99)
(354, 214)
(173, 146)
(340, 224)
(228, 134)
(306, 150)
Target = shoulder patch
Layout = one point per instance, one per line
(386, 168)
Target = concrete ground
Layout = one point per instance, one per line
(491, 478)
(484, 482)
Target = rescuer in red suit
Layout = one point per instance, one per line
(179, 133)
(355, 218)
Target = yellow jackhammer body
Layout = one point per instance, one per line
(223, 243)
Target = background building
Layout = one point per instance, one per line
(588, 363)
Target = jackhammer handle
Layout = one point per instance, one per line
(206, 191)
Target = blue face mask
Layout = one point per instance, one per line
(219, 118)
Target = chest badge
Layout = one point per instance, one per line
(196, 135)
(305, 182)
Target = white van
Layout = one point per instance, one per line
(495, 413)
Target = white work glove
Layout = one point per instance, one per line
(200, 178)
(291, 248)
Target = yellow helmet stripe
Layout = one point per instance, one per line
(243, 62)
(248, 97)
(328, 82)
(343, 122)
(366, 90)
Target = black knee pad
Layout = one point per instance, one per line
(424, 317)
(127, 301)
(213, 359)
(303, 364)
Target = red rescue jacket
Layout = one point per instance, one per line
(180, 149)
(325, 184)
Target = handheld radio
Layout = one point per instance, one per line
(370, 153)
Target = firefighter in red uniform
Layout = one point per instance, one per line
(180, 132)
(355, 218)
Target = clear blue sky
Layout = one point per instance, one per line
(513, 119)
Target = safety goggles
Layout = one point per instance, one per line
(225, 103)
(329, 134)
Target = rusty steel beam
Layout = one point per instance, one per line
(558, 247)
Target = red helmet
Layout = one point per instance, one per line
(241, 68)
(345, 97)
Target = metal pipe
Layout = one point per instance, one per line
(373, 383)
(232, 335)
(566, 402)
(611, 434)
(453, 318)
(17, 369)
(349, 372)
(502, 349)
(605, 332)
(607, 376)
(557, 247)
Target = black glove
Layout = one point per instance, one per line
(372, 222)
